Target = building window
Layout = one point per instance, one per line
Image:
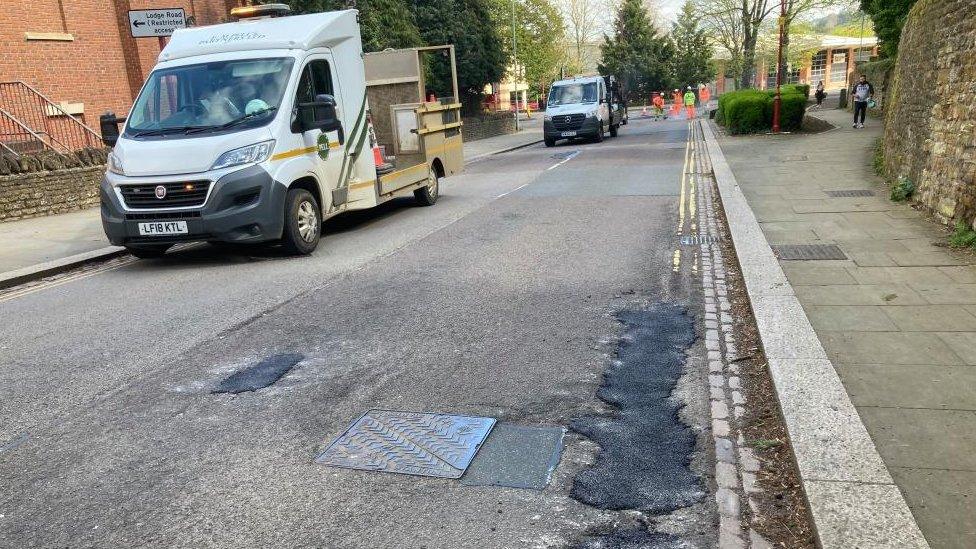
(818, 67)
(838, 68)
(864, 54)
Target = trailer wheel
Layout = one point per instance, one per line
(148, 252)
(613, 130)
(303, 222)
(427, 195)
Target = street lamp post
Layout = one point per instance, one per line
(777, 101)
(515, 68)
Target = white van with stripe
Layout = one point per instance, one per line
(258, 130)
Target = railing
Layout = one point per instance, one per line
(16, 138)
(27, 109)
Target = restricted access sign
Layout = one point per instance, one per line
(155, 23)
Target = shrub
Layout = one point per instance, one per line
(751, 111)
(963, 237)
(902, 190)
(802, 89)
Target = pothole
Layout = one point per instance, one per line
(259, 376)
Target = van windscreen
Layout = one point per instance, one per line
(570, 94)
(210, 96)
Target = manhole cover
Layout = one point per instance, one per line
(412, 443)
(698, 239)
(517, 456)
(849, 193)
(788, 252)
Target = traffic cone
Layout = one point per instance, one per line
(644, 112)
(382, 166)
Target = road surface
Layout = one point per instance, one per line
(503, 300)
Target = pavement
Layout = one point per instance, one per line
(499, 301)
(42, 246)
(896, 319)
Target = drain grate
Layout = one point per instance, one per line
(412, 443)
(849, 193)
(811, 252)
(699, 239)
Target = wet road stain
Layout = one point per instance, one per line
(260, 375)
(645, 449)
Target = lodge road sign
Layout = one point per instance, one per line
(155, 23)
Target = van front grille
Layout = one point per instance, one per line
(165, 195)
(568, 121)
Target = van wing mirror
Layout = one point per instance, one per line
(108, 124)
(320, 115)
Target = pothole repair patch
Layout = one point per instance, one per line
(260, 375)
(412, 443)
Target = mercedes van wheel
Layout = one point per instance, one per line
(303, 222)
(613, 130)
(599, 134)
(550, 142)
(426, 196)
(148, 252)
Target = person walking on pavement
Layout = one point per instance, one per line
(690, 102)
(862, 92)
(821, 93)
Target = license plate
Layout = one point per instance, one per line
(568, 134)
(157, 228)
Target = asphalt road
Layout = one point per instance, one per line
(502, 300)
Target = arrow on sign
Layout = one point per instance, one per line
(137, 23)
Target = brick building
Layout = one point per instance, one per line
(79, 53)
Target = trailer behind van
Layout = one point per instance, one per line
(258, 130)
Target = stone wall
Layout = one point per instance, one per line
(879, 74)
(931, 112)
(49, 192)
(487, 125)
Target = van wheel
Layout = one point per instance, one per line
(303, 222)
(148, 252)
(426, 196)
(613, 131)
(599, 134)
(550, 142)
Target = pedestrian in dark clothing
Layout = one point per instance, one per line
(862, 92)
(821, 94)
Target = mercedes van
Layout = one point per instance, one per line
(582, 107)
(258, 130)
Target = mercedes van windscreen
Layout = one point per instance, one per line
(573, 94)
(209, 97)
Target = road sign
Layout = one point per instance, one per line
(156, 23)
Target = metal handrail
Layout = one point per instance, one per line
(34, 110)
(44, 144)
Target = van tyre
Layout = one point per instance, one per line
(303, 222)
(613, 130)
(599, 134)
(148, 252)
(427, 195)
(550, 142)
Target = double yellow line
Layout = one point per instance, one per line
(687, 199)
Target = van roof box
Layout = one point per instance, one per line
(302, 32)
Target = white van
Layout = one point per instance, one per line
(257, 130)
(582, 107)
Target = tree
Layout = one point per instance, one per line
(469, 25)
(635, 53)
(692, 52)
(889, 18)
(539, 36)
(723, 24)
(383, 23)
(582, 27)
(797, 9)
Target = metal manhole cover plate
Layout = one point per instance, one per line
(698, 239)
(412, 443)
(849, 193)
(788, 252)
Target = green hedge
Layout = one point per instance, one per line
(751, 111)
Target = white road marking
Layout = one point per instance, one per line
(571, 156)
(511, 191)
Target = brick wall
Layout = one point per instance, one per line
(46, 193)
(102, 66)
(487, 125)
(930, 119)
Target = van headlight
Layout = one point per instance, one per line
(258, 152)
(548, 117)
(114, 164)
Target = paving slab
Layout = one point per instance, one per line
(910, 385)
(963, 344)
(888, 348)
(931, 439)
(936, 497)
(931, 318)
(806, 273)
(844, 318)
(862, 294)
